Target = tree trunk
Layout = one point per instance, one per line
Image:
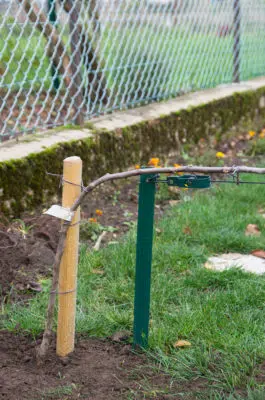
(56, 51)
(96, 79)
(90, 57)
(59, 57)
(76, 64)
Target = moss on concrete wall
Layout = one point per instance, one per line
(24, 184)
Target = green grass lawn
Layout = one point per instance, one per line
(222, 314)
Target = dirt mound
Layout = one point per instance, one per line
(96, 370)
(27, 252)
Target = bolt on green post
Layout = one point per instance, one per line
(146, 206)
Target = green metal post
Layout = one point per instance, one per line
(144, 259)
(52, 19)
(237, 34)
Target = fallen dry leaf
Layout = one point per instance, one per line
(182, 343)
(35, 286)
(121, 336)
(252, 230)
(173, 189)
(208, 265)
(187, 230)
(173, 202)
(98, 271)
(258, 253)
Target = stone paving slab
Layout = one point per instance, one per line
(246, 262)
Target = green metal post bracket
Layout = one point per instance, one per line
(190, 181)
(146, 206)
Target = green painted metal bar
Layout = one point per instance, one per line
(146, 207)
(237, 34)
(53, 19)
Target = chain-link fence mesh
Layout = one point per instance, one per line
(65, 61)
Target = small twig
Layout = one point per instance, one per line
(115, 376)
(42, 350)
(99, 240)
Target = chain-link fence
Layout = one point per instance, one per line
(65, 61)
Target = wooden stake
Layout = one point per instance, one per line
(72, 172)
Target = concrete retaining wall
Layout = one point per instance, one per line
(118, 141)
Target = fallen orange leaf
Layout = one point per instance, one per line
(182, 343)
(98, 271)
(187, 230)
(252, 230)
(258, 253)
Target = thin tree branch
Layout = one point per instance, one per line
(169, 170)
(42, 350)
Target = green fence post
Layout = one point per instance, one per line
(237, 34)
(144, 259)
(52, 19)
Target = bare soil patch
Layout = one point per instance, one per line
(98, 369)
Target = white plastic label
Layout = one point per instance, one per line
(60, 212)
